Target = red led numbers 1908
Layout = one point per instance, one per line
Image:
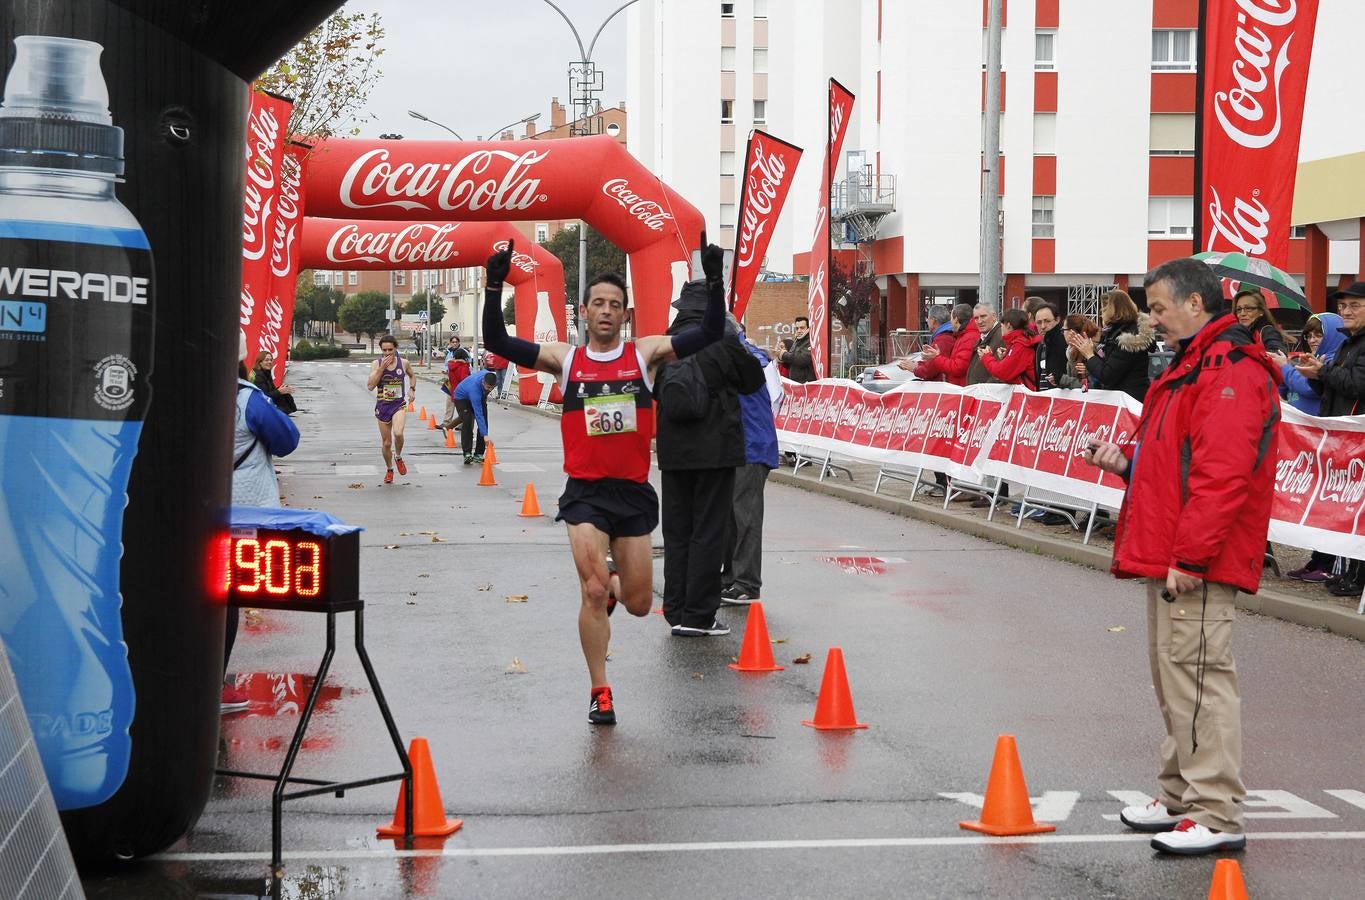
(275, 567)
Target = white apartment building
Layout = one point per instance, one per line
(1097, 133)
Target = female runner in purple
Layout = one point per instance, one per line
(395, 383)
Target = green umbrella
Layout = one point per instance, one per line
(1241, 271)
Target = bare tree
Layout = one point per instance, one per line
(329, 74)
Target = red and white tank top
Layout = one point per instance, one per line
(608, 419)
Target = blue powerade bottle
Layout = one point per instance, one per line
(76, 319)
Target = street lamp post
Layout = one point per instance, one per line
(583, 106)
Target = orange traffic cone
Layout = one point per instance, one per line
(756, 655)
(450, 438)
(834, 708)
(1227, 881)
(428, 815)
(1006, 810)
(492, 457)
(410, 406)
(530, 507)
(431, 424)
(486, 478)
(423, 414)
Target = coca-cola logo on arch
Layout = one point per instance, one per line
(497, 179)
(648, 212)
(521, 260)
(420, 242)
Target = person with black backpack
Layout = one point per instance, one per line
(700, 443)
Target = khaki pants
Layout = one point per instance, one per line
(450, 420)
(1204, 784)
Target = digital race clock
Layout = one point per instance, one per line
(291, 568)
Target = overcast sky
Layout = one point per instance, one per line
(476, 65)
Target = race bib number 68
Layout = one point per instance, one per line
(613, 414)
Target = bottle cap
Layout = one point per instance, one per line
(55, 113)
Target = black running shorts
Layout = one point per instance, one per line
(614, 506)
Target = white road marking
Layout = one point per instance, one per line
(1053, 806)
(713, 846)
(1282, 805)
(1127, 798)
(1355, 798)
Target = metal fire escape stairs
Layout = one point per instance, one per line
(858, 205)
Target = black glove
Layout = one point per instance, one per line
(499, 265)
(712, 263)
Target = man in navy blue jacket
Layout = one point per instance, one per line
(742, 568)
(471, 405)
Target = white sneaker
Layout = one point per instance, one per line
(1151, 818)
(1192, 839)
(715, 629)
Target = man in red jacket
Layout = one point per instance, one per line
(951, 367)
(1201, 477)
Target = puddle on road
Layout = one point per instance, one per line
(277, 700)
(862, 565)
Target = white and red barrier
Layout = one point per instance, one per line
(1036, 439)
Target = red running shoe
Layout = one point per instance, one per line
(402, 466)
(600, 709)
(388, 476)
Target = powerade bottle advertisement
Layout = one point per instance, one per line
(76, 320)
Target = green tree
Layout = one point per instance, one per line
(315, 303)
(329, 74)
(363, 313)
(417, 303)
(509, 311)
(603, 256)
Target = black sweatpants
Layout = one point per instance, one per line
(465, 410)
(695, 512)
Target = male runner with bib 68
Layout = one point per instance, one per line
(607, 426)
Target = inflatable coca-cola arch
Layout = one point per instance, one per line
(589, 178)
(537, 275)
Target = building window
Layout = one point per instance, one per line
(400, 278)
(760, 60)
(1045, 50)
(1173, 50)
(727, 162)
(1045, 134)
(1170, 217)
(353, 278)
(542, 232)
(986, 44)
(727, 59)
(1298, 231)
(1042, 217)
(320, 279)
(727, 110)
(727, 9)
(338, 278)
(760, 9)
(429, 279)
(760, 112)
(727, 215)
(1172, 134)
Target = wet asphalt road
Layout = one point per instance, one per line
(710, 786)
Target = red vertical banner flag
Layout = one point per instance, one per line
(267, 123)
(769, 165)
(1254, 72)
(285, 243)
(817, 298)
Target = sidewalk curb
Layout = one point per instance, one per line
(1268, 602)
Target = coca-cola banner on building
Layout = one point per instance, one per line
(1254, 71)
(265, 142)
(769, 166)
(536, 277)
(817, 298)
(1037, 439)
(589, 178)
(284, 257)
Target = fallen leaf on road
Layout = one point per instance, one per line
(390, 546)
(1115, 628)
(423, 574)
(485, 587)
(412, 603)
(428, 532)
(319, 497)
(779, 640)
(254, 617)
(438, 540)
(412, 593)
(405, 534)
(802, 660)
(608, 656)
(355, 486)
(516, 598)
(698, 676)
(516, 668)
